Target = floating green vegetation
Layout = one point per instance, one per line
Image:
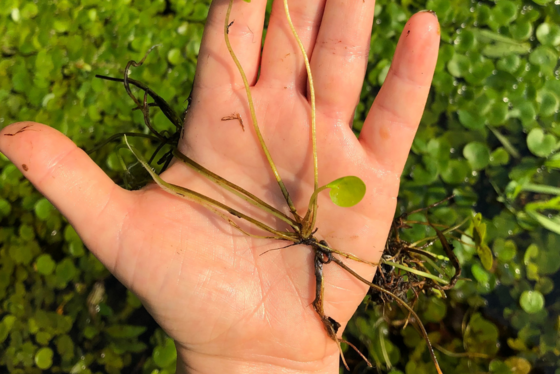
(489, 137)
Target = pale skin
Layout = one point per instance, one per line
(228, 308)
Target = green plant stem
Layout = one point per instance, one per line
(417, 272)
(311, 216)
(433, 264)
(254, 117)
(400, 301)
(311, 94)
(427, 254)
(415, 244)
(208, 202)
(541, 188)
(242, 193)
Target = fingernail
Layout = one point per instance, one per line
(429, 11)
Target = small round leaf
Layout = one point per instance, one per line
(499, 157)
(45, 264)
(174, 56)
(347, 191)
(477, 154)
(43, 358)
(548, 34)
(532, 301)
(456, 172)
(5, 207)
(165, 355)
(539, 143)
(43, 209)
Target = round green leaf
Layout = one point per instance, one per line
(548, 34)
(531, 301)
(544, 56)
(459, 65)
(505, 250)
(26, 232)
(548, 103)
(65, 270)
(174, 56)
(521, 30)
(504, 12)
(65, 346)
(76, 248)
(477, 154)
(43, 209)
(519, 365)
(471, 120)
(465, 41)
(43, 358)
(524, 110)
(43, 337)
(347, 191)
(5, 208)
(70, 234)
(497, 114)
(426, 172)
(456, 172)
(30, 10)
(481, 275)
(539, 143)
(45, 264)
(509, 63)
(165, 355)
(499, 157)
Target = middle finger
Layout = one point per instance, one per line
(282, 64)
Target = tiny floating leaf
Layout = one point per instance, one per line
(347, 191)
(531, 301)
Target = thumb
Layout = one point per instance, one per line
(95, 206)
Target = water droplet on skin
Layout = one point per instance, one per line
(506, 100)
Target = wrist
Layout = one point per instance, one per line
(197, 363)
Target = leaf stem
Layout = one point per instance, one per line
(206, 201)
(242, 193)
(254, 116)
(311, 94)
(417, 272)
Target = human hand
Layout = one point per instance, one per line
(228, 308)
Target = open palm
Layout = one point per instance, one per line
(229, 305)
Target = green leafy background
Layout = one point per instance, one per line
(490, 135)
